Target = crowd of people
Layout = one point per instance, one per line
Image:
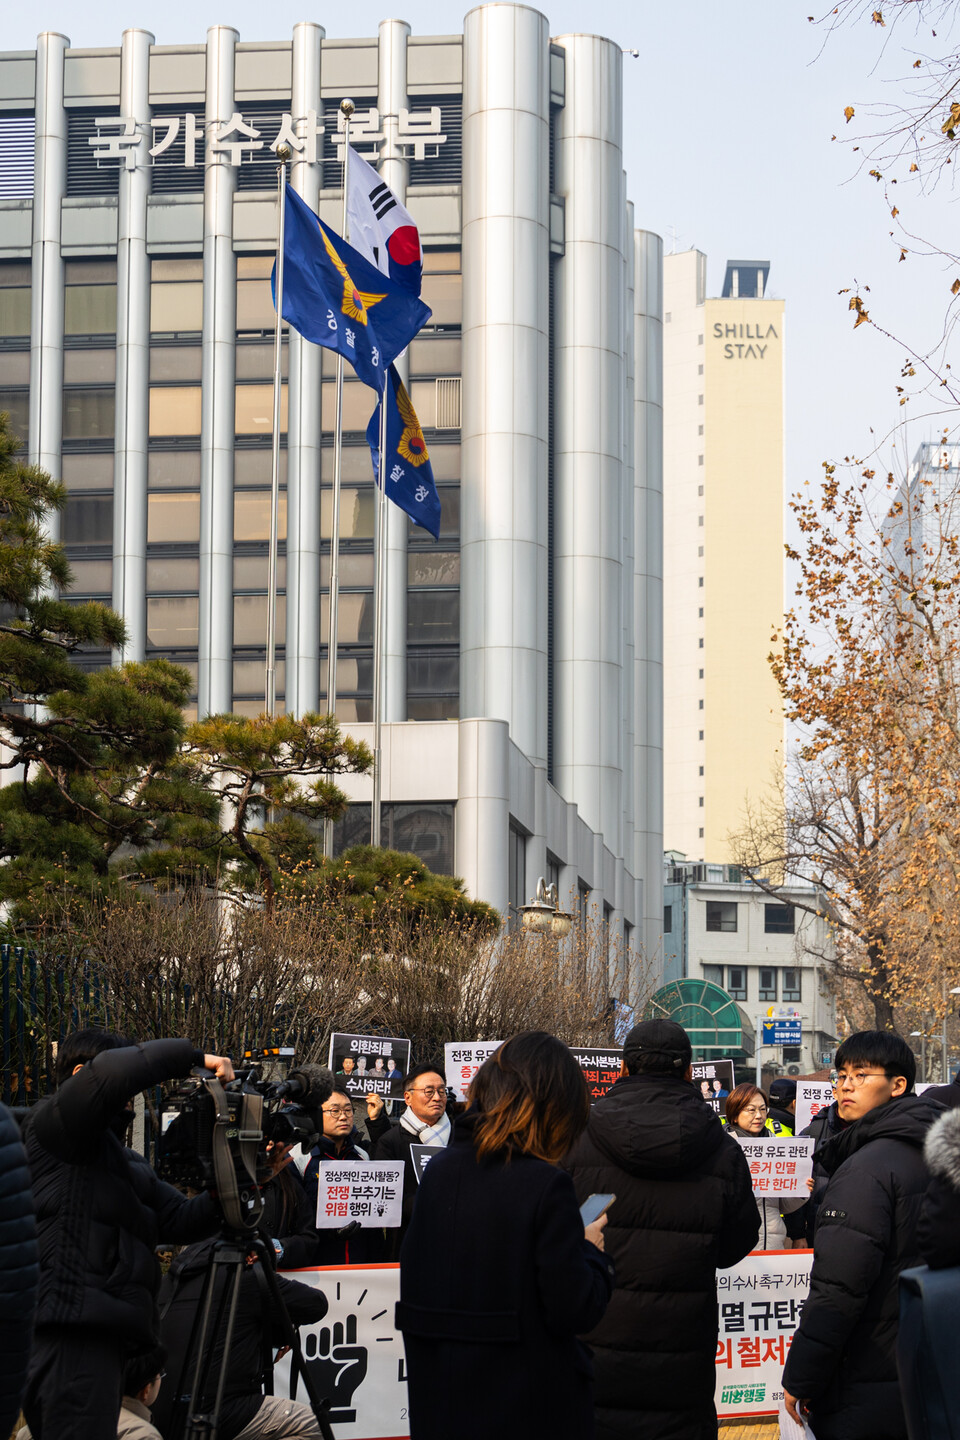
(518, 1314)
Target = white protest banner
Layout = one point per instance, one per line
(601, 1065)
(369, 1192)
(370, 1062)
(462, 1060)
(779, 1165)
(812, 1097)
(421, 1155)
(714, 1079)
(758, 1309)
(354, 1354)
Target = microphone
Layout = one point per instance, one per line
(311, 1084)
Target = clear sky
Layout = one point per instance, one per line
(729, 110)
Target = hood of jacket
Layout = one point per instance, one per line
(907, 1118)
(655, 1125)
(942, 1149)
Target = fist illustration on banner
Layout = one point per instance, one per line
(338, 1365)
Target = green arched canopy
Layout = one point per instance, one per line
(714, 1022)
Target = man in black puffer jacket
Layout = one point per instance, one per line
(18, 1270)
(101, 1211)
(684, 1208)
(842, 1368)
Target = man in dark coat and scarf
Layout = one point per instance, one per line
(684, 1208)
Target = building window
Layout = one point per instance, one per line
(778, 920)
(701, 614)
(791, 985)
(737, 982)
(668, 919)
(700, 582)
(700, 645)
(701, 707)
(701, 834)
(699, 429)
(517, 858)
(768, 983)
(713, 974)
(699, 734)
(791, 1054)
(701, 769)
(701, 674)
(722, 916)
(701, 800)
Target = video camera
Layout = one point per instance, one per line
(219, 1137)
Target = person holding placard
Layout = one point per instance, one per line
(497, 1274)
(747, 1114)
(340, 1140)
(423, 1122)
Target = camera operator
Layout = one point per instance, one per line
(101, 1211)
(245, 1413)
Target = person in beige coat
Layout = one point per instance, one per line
(142, 1379)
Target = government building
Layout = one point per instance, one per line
(138, 220)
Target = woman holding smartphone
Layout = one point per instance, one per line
(497, 1275)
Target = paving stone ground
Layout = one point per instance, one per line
(763, 1429)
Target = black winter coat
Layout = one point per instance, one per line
(288, 1217)
(684, 1207)
(496, 1280)
(822, 1128)
(18, 1270)
(101, 1210)
(843, 1359)
(255, 1331)
(940, 1215)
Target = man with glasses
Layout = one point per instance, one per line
(423, 1122)
(841, 1374)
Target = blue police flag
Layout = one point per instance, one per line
(407, 466)
(336, 298)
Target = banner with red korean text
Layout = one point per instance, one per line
(355, 1355)
(759, 1302)
(601, 1065)
(812, 1097)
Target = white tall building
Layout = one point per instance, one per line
(523, 678)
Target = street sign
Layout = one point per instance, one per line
(781, 1032)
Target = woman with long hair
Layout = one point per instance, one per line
(497, 1275)
(747, 1113)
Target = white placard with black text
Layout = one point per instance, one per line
(759, 1302)
(462, 1060)
(812, 1097)
(779, 1164)
(364, 1192)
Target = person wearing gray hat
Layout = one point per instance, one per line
(684, 1207)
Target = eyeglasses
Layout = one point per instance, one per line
(428, 1090)
(337, 1109)
(754, 1110)
(859, 1077)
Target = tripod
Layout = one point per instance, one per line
(195, 1415)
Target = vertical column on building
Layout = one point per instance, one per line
(392, 97)
(648, 593)
(218, 372)
(303, 639)
(133, 356)
(588, 444)
(503, 627)
(46, 317)
(483, 810)
(627, 696)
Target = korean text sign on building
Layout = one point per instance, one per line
(779, 1165)
(601, 1065)
(812, 1097)
(370, 1062)
(462, 1060)
(368, 1192)
(758, 1306)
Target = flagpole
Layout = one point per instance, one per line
(347, 108)
(270, 682)
(380, 534)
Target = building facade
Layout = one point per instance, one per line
(723, 549)
(523, 653)
(769, 953)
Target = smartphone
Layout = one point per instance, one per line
(594, 1206)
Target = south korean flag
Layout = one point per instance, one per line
(380, 228)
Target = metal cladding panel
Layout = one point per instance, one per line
(504, 489)
(91, 75)
(18, 79)
(590, 466)
(432, 61)
(177, 72)
(349, 67)
(264, 70)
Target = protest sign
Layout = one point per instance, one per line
(601, 1066)
(812, 1097)
(354, 1354)
(369, 1192)
(714, 1079)
(779, 1164)
(758, 1306)
(462, 1060)
(421, 1155)
(370, 1062)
